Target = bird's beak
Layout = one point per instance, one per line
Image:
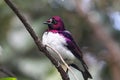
(45, 22)
(49, 21)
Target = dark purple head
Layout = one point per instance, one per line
(55, 23)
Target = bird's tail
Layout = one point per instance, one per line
(86, 75)
(83, 68)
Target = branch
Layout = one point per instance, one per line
(36, 39)
(6, 72)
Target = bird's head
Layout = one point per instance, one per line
(55, 23)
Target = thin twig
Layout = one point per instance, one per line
(36, 39)
(4, 70)
(63, 62)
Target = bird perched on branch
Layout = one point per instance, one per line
(58, 38)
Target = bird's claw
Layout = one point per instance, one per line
(58, 64)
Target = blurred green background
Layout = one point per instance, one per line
(19, 54)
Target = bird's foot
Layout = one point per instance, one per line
(58, 64)
(66, 71)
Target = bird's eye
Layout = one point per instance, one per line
(54, 21)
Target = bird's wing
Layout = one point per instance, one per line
(71, 45)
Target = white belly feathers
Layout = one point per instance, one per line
(57, 42)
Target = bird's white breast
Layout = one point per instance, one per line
(57, 42)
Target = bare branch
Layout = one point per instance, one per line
(5, 72)
(36, 39)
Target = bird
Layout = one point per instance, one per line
(61, 40)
